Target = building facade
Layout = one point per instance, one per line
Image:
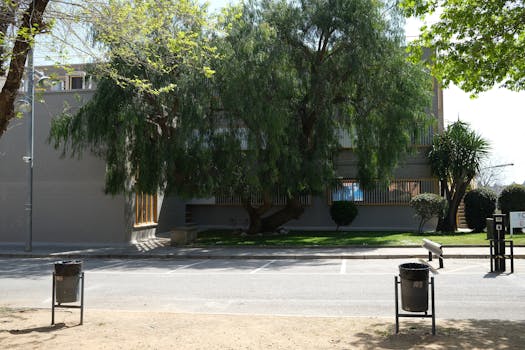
(70, 206)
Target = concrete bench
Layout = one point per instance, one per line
(183, 235)
(434, 249)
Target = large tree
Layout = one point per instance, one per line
(288, 77)
(478, 44)
(455, 158)
(20, 21)
(294, 74)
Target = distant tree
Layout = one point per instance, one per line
(480, 204)
(512, 198)
(455, 159)
(478, 44)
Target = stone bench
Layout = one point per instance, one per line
(183, 235)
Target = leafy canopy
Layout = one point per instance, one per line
(288, 77)
(478, 44)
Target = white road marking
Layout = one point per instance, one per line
(462, 268)
(262, 267)
(343, 267)
(106, 266)
(186, 266)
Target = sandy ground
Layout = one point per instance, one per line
(105, 329)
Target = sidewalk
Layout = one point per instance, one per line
(159, 248)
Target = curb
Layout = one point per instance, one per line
(245, 257)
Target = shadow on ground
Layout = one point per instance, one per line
(451, 334)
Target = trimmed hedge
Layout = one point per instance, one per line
(512, 198)
(343, 212)
(427, 206)
(480, 204)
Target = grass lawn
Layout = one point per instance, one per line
(343, 238)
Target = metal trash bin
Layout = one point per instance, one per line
(67, 279)
(414, 287)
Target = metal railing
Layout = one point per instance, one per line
(397, 192)
(257, 199)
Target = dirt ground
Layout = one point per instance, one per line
(109, 329)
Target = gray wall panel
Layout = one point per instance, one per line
(69, 205)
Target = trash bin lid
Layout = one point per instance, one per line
(68, 267)
(414, 271)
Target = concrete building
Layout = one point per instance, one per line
(70, 206)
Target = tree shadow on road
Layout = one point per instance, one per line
(450, 334)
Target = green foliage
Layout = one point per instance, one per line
(455, 158)
(480, 204)
(478, 43)
(512, 198)
(343, 212)
(427, 206)
(254, 106)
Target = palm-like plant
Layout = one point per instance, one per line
(455, 158)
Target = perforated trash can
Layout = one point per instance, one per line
(414, 287)
(67, 279)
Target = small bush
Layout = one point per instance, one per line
(512, 198)
(343, 212)
(427, 206)
(479, 205)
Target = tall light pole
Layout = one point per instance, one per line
(30, 96)
(28, 105)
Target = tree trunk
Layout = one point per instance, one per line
(32, 18)
(255, 213)
(255, 220)
(292, 210)
(448, 222)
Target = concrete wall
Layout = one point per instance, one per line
(315, 217)
(69, 204)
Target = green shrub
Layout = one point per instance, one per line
(427, 206)
(479, 205)
(343, 212)
(512, 198)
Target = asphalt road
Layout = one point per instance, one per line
(464, 288)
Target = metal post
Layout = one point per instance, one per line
(82, 301)
(512, 256)
(397, 304)
(53, 302)
(491, 242)
(433, 308)
(30, 147)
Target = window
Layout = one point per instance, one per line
(398, 192)
(348, 190)
(145, 209)
(403, 191)
(278, 199)
(76, 83)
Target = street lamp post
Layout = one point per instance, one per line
(27, 104)
(30, 148)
